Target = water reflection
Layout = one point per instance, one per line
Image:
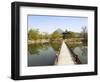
(82, 54)
(81, 51)
(42, 54)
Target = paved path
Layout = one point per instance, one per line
(64, 57)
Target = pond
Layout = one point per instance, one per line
(81, 51)
(42, 54)
(82, 54)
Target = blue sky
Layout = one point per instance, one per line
(50, 23)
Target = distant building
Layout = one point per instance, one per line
(64, 34)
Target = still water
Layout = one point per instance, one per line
(42, 54)
(81, 51)
(82, 54)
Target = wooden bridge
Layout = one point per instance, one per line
(65, 56)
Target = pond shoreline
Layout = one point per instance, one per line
(44, 54)
(42, 41)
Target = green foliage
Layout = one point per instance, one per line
(72, 45)
(33, 34)
(35, 48)
(56, 35)
(71, 34)
(46, 36)
(55, 45)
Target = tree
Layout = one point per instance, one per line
(84, 35)
(71, 34)
(84, 32)
(33, 34)
(46, 36)
(56, 35)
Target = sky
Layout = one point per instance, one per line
(50, 23)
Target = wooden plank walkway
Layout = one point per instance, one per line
(65, 56)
